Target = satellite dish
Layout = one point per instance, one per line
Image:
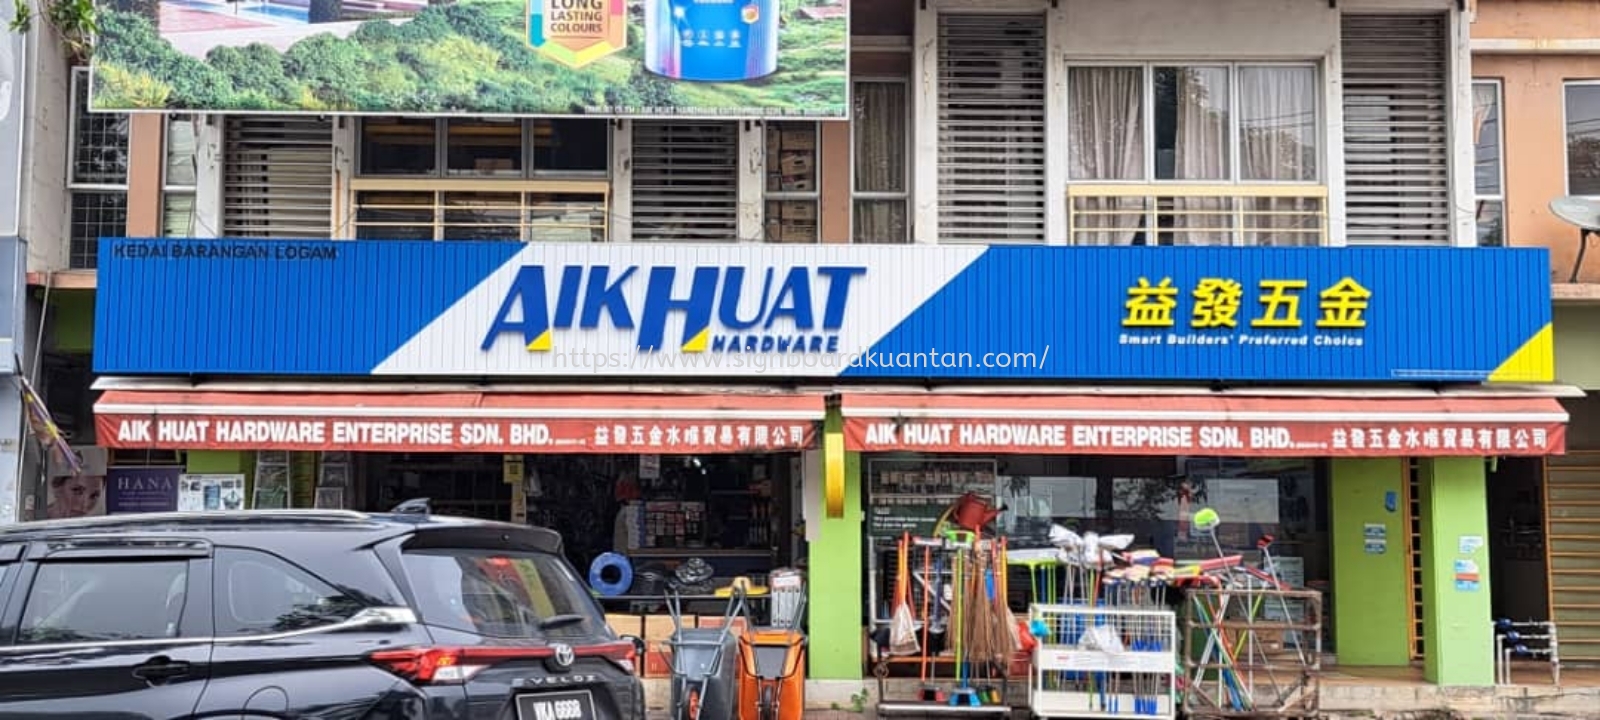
(1584, 213)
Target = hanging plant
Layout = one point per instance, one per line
(73, 20)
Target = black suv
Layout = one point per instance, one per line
(303, 614)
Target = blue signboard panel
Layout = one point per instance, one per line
(467, 309)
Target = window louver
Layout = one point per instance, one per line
(685, 181)
(991, 128)
(1396, 139)
(278, 178)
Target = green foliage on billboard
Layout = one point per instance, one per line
(608, 58)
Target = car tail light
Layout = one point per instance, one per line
(448, 666)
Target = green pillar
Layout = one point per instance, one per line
(836, 594)
(1458, 640)
(1371, 603)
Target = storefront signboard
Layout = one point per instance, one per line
(751, 311)
(142, 489)
(603, 58)
(441, 434)
(1236, 439)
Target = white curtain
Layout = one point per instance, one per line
(1106, 142)
(1278, 143)
(1200, 152)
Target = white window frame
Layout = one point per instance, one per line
(813, 196)
(80, 74)
(1566, 154)
(903, 196)
(1147, 69)
(1500, 162)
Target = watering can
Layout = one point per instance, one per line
(972, 512)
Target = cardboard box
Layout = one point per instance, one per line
(713, 622)
(658, 628)
(797, 234)
(796, 164)
(658, 662)
(803, 139)
(799, 211)
(622, 624)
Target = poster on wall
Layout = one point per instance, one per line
(198, 493)
(75, 496)
(142, 489)
(603, 58)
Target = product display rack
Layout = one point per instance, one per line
(1103, 662)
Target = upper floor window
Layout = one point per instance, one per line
(1489, 167)
(97, 175)
(465, 148)
(1583, 138)
(178, 180)
(470, 179)
(791, 183)
(880, 197)
(1197, 123)
(1224, 125)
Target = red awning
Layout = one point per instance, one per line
(459, 421)
(1213, 424)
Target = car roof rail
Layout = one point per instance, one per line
(190, 517)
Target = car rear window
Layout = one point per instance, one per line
(496, 594)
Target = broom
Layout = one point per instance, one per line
(980, 617)
(903, 624)
(1011, 638)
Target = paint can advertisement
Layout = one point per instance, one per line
(711, 40)
(622, 59)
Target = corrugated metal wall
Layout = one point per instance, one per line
(1572, 541)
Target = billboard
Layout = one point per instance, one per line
(602, 58)
(500, 309)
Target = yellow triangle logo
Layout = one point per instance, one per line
(1534, 362)
(541, 343)
(698, 342)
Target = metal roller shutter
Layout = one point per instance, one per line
(278, 178)
(685, 181)
(1572, 540)
(1396, 110)
(992, 128)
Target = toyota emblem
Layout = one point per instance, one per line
(563, 656)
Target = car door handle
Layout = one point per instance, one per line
(158, 670)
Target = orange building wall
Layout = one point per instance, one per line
(1538, 19)
(1535, 151)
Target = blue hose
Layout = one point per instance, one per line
(608, 561)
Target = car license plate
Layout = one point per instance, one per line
(556, 706)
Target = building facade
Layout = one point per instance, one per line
(1238, 244)
(1534, 68)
